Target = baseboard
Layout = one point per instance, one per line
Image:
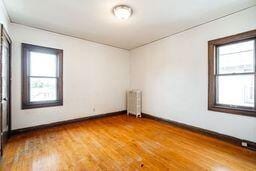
(226, 138)
(54, 124)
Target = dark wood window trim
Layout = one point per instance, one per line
(26, 104)
(212, 65)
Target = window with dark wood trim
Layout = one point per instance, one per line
(42, 81)
(232, 74)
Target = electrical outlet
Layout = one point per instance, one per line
(93, 109)
(244, 144)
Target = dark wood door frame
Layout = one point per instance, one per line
(5, 35)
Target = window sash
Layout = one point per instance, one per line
(217, 58)
(34, 76)
(242, 73)
(231, 105)
(216, 75)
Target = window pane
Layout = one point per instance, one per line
(43, 64)
(236, 90)
(236, 58)
(43, 89)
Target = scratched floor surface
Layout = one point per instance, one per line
(122, 143)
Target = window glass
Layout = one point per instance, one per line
(236, 58)
(237, 90)
(43, 64)
(43, 89)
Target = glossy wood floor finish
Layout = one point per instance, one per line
(122, 143)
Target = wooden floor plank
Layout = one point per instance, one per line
(122, 143)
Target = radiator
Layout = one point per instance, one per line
(134, 102)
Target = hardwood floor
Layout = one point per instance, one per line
(122, 143)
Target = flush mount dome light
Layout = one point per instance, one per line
(122, 12)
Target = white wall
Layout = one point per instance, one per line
(4, 19)
(94, 76)
(172, 74)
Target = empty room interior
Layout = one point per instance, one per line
(128, 85)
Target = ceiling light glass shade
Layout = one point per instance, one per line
(122, 12)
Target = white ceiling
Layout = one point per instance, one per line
(93, 19)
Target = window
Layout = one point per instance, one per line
(42, 76)
(232, 74)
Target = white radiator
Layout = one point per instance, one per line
(134, 102)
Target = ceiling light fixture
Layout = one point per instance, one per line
(122, 12)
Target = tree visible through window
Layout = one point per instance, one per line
(42, 76)
(232, 74)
